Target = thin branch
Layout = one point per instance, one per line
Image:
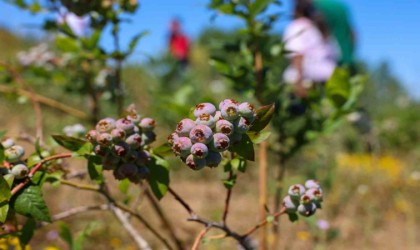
(36, 168)
(78, 210)
(264, 222)
(227, 200)
(125, 222)
(199, 238)
(79, 185)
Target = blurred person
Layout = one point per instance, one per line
(313, 54)
(179, 45)
(79, 25)
(338, 18)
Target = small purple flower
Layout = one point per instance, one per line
(204, 108)
(323, 224)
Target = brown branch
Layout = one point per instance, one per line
(36, 168)
(79, 185)
(78, 210)
(199, 238)
(264, 222)
(227, 200)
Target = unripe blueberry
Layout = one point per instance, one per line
(143, 157)
(206, 119)
(184, 127)
(305, 199)
(213, 159)
(172, 138)
(135, 118)
(92, 135)
(104, 139)
(20, 171)
(127, 169)
(246, 110)
(227, 102)
(235, 138)
(7, 143)
(148, 137)
(118, 134)
(312, 184)
(101, 150)
(289, 204)
(14, 153)
(315, 194)
(142, 172)
(296, 190)
(221, 142)
(199, 150)
(195, 163)
(134, 141)
(110, 162)
(201, 133)
(204, 108)
(225, 127)
(147, 124)
(121, 149)
(182, 146)
(126, 125)
(105, 125)
(241, 125)
(230, 112)
(131, 156)
(307, 209)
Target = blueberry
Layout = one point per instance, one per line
(184, 127)
(312, 184)
(148, 137)
(121, 149)
(204, 108)
(134, 117)
(213, 159)
(289, 204)
(230, 112)
(235, 138)
(195, 163)
(307, 209)
(20, 171)
(201, 133)
(199, 150)
(227, 102)
(172, 137)
(105, 125)
(206, 119)
(147, 124)
(221, 142)
(92, 135)
(118, 135)
(315, 194)
(126, 125)
(104, 139)
(134, 140)
(14, 153)
(246, 109)
(143, 157)
(296, 190)
(241, 125)
(101, 150)
(225, 127)
(127, 170)
(110, 162)
(131, 156)
(182, 146)
(7, 143)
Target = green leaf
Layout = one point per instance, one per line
(258, 137)
(30, 203)
(244, 148)
(338, 87)
(163, 150)
(27, 232)
(4, 189)
(293, 217)
(9, 179)
(95, 168)
(135, 40)
(238, 163)
(86, 149)
(91, 42)
(259, 6)
(4, 209)
(123, 186)
(33, 159)
(68, 142)
(65, 234)
(227, 8)
(264, 115)
(66, 44)
(2, 134)
(78, 242)
(159, 176)
(230, 183)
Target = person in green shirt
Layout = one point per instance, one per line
(337, 17)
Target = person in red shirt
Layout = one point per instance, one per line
(179, 44)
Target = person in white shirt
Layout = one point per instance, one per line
(312, 53)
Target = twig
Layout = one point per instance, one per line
(36, 168)
(122, 217)
(80, 186)
(227, 200)
(264, 222)
(263, 191)
(78, 210)
(199, 238)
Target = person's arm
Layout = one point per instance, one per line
(299, 88)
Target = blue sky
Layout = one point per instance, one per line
(386, 29)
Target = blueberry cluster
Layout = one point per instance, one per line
(13, 155)
(122, 144)
(200, 143)
(304, 201)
